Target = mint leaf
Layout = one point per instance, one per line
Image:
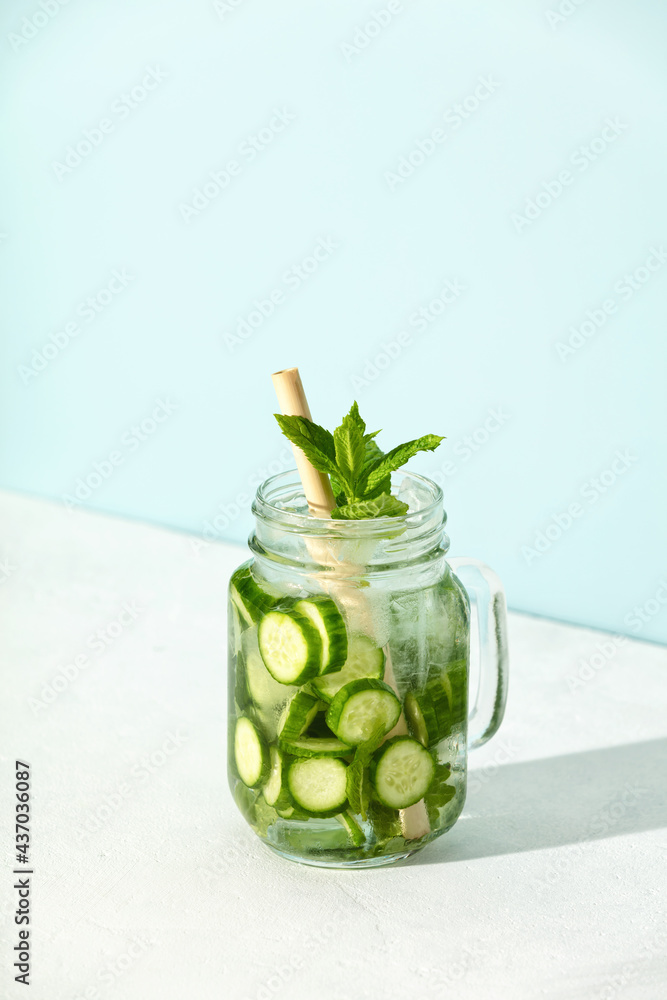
(386, 822)
(373, 450)
(360, 471)
(358, 788)
(315, 442)
(383, 506)
(396, 458)
(439, 792)
(265, 816)
(338, 490)
(356, 417)
(384, 486)
(358, 781)
(350, 444)
(366, 749)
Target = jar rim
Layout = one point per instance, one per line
(288, 485)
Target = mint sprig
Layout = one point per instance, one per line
(350, 441)
(383, 506)
(315, 442)
(360, 471)
(439, 793)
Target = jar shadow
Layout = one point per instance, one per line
(571, 799)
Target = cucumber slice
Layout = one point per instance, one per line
(364, 659)
(275, 785)
(362, 709)
(235, 627)
(249, 599)
(299, 714)
(328, 621)
(401, 772)
(268, 698)
(354, 831)
(290, 645)
(427, 714)
(307, 747)
(250, 753)
(318, 785)
(286, 807)
(241, 693)
(263, 689)
(287, 813)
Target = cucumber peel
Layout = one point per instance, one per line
(249, 599)
(427, 714)
(299, 714)
(327, 619)
(314, 747)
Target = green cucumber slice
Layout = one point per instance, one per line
(309, 747)
(427, 714)
(235, 627)
(249, 599)
(290, 645)
(287, 813)
(354, 831)
(401, 772)
(299, 714)
(268, 698)
(264, 690)
(327, 619)
(290, 811)
(274, 783)
(250, 753)
(241, 692)
(318, 785)
(364, 659)
(362, 709)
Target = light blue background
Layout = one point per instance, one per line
(324, 176)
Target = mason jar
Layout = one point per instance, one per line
(349, 677)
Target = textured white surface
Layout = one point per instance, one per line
(149, 885)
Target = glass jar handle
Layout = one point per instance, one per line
(488, 600)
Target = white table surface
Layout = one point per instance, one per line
(148, 884)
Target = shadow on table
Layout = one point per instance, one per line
(572, 799)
